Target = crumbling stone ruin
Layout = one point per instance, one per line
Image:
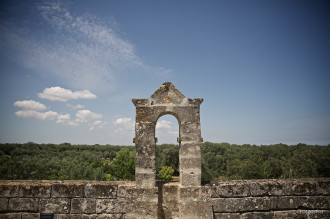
(168, 100)
(143, 199)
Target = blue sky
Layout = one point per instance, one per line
(69, 69)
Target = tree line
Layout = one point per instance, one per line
(220, 161)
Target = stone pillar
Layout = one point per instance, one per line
(145, 166)
(190, 153)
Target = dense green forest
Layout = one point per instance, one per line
(220, 161)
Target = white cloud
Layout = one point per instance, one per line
(63, 95)
(124, 124)
(163, 124)
(79, 106)
(31, 114)
(65, 119)
(81, 50)
(30, 105)
(98, 124)
(164, 128)
(86, 116)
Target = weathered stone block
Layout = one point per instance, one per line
(10, 216)
(68, 189)
(190, 163)
(144, 194)
(223, 205)
(111, 205)
(3, 204)
(190, 192)
(100, 190)
(318, 214)
(301, 214)
(257, 215)
(55, 205)
(290, 202)
(83, 205)
(318, 202)
(259, 188)
(171, 196)
(30, 216)
(146, 161)
(141, 210)
(227, 216)
(9, 189)
(190, 177)
(107, 216)
(32, 189)
(195, 209)
(323, 187)
(147, 180)
(142, 202)
(233, 188)
(61, 216)
(187, 149)
(79, 216)
(279, 187)
(23, 204)
(303, 187)
(121, 192)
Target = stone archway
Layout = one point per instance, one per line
(168, 100)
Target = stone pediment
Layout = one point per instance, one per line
(167, 94)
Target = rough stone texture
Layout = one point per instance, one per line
(168, 100)
(100, 190)
(142, 202)
(30, 216)
(243, 204)
(68, 189)
(111, 205)
(83, 205)
(23, 204)
(3, 204)
(107, 216)
(55, 205)
(9, 188)
(79, 216)
(32, 189)
(194, 203)
(170, 201)
(226, 199)
(11, 216)
(61, 216)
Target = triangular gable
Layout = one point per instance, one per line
(167, 94)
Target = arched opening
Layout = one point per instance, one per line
(167, 147)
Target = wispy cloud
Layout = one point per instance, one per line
(87, 116)
(31, 109)
(32, 114)
(78, 106)
(164, 128)
(30, 105)
(124, 125)
(65, 119)
(83, 51)
(98, 124)
(63, 95)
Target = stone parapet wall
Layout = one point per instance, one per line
(298, 198)
(63, 199)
